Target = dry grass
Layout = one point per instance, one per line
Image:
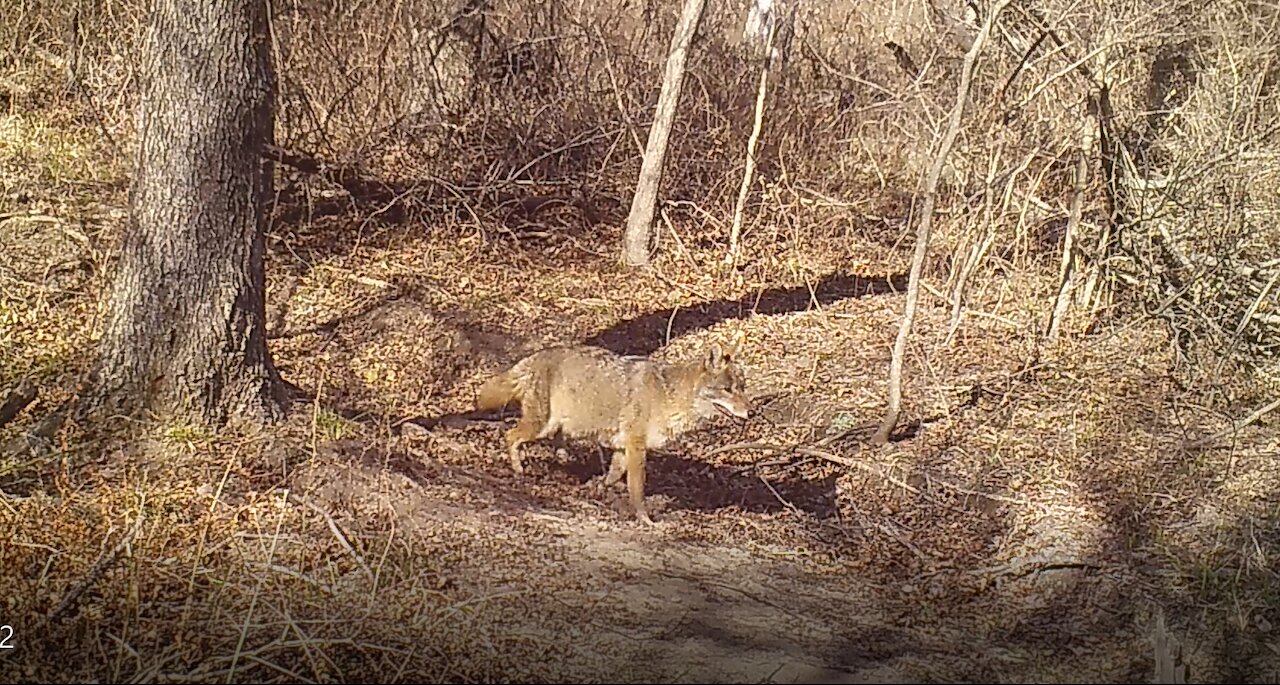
(1044, 506)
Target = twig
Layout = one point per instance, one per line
(1034, 564)
(736, 446)
(911, 546)
(675, 233)
(818, 453)
(1237, 426)
(845, 461)
(778, 461)
(582, 140)
(770, 447)
(1253, 308)
(1069, 265)
(821, 61)
(253, 602)
(976, 493)
(617, 96)
(780, 498)
(333, 528)
(456, 471)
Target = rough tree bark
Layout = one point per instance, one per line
(635, 241)
(925, 227)
(186, 327)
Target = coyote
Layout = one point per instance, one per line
(628, 403)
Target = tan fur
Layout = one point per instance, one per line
(629, 404)
(496, 393)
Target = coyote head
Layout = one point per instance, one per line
(721, 386)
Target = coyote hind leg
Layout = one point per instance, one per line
(535, 415)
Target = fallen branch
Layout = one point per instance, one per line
(828, 440)
(95, 572)
(1237, 426)
(818, 453)
(337, 532)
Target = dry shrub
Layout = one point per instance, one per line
(470, 109)
(1197, 183)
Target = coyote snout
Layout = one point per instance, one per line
(629, 404)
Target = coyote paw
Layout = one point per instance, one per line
(600, 485)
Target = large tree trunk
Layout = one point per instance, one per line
(635, 241)
(186, 331)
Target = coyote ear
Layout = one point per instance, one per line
(716, 356)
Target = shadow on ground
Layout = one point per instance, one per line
(647, 333)
(689, 484)
(673, 482)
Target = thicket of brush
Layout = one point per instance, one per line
(476, 109)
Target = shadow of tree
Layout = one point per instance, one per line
(685, 483)
(1203, 578)
(648, 332)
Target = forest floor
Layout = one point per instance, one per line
(1040, 508)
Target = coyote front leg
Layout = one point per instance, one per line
(635, 458)
(617, 467)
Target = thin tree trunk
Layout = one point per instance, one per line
(925, 227)
(635, 241)
(1068, 270)
(735, 232)
(186, 330)
(1070, 262)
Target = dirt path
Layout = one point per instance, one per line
(593, 596)
(711, 613)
